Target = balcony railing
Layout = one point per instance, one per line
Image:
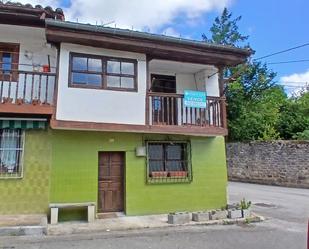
(27, 87)
(169, 109)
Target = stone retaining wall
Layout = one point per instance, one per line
(282, 163)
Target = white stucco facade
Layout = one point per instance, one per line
(98, 105)
(33, 54)
(31, 41)
(123, 107)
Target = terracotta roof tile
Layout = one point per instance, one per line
(39, 10)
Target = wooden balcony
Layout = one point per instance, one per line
(27, 92)
(167, 111)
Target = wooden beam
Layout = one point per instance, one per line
(155, 49)
(26, 109)
(157, 129)
(223, 103)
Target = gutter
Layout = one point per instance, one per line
(144, 35)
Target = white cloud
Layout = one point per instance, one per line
(43, 3)
(140, 14)
(294, 83)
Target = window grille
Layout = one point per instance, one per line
(168, 161)
(11, 153)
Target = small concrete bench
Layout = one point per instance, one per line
(55, 206)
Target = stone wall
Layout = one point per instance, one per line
(282, 163)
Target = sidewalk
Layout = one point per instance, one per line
(132, 223)
(19, 225)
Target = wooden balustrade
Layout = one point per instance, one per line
(27, 87)
(169, 109)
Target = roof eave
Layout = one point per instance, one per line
(156, 46)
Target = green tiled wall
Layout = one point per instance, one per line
(29, 195)
(75, 172)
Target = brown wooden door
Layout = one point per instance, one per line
(111, 182)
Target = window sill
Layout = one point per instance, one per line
(131, 90)
(10, 177)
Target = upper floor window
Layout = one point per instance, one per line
(102, 72)
(9, 61)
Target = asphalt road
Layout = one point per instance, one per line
(286, 210)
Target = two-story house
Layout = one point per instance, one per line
(131, 121)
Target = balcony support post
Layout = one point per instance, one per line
(223, 114)
(148, 87)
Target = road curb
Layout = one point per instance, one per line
(23, 231)
(53, 230)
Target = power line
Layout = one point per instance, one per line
(282, 51)
(286, 62)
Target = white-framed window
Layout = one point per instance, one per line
(11, 153)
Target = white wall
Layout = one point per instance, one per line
(97, 105)
(32, 40)
(212, 83)
(196, 81)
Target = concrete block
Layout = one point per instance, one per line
(179, 218)
(234, 214)
(22, 231)
(218, 214)
(246, 213)
(200, 216)
(91, 213)
(53, 216)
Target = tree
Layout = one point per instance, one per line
(294, 118)
(253, 98)
(224, 31)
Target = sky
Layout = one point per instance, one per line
(272, 25)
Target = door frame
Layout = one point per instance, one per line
(124, 179)
(166, 103)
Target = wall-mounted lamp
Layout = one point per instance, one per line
(140, 151)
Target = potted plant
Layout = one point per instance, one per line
(19, 101)
(36, 101)
(179, 174)
(157, 174)
(245, 208)
(7, 100)
(46, 68)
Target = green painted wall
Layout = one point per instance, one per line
(29, 195)
(75, 169)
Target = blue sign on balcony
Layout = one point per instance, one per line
(194, 99)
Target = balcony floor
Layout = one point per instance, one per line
(205, 131)
(42, 109)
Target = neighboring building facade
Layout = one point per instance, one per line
(95, 114)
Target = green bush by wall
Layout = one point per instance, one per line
(74, 174)
(29, 195)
